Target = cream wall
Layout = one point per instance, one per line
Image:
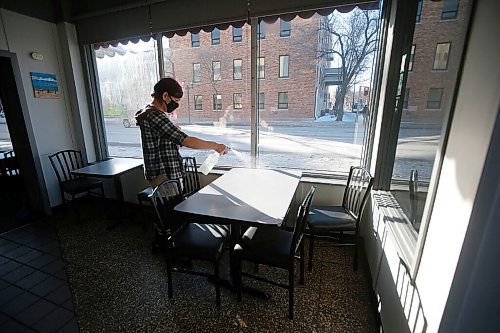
(51, 119)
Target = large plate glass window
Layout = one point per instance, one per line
(127, 74)
(215, 106)
(311, 119)
(428, 98)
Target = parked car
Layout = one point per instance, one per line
(129, 119)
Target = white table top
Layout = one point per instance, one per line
(109, 168)
(252, 196)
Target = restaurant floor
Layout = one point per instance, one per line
(82, 277)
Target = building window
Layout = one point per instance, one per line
(215, 36)
(285, 28)
(282, 100)
(237, 34)
(198, 102)
(237, 98)
(197, 72)
(419, 11)
(406, 98)
(261, 31)
(412, 58)
(195, 40)
(450, 9)
(217, 102)
(237, 65)
(261, 68)
(261, 101)
(284, 61)
(434, 98)
(216, 71)
(441, 57)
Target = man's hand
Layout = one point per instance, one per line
(221, 148)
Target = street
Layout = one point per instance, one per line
(331, 147)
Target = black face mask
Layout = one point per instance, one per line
(171, 106)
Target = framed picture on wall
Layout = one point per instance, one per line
(44, 85)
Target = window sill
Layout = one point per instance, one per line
(398, 224)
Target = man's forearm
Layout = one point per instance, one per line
(196, 143)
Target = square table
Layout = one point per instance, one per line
(112, 168)
(243, 197)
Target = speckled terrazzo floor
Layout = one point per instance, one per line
(118, 285)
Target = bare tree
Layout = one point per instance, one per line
(354, 40)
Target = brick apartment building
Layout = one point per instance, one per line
(214, 68)
(435, 58)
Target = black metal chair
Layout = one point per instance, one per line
(191, 183)
(413, 192)
(276, 248)
(191, 180)
(336, 221)
(64, 162)
(8, 153)
(186, 240)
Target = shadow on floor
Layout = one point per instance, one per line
(117, 284)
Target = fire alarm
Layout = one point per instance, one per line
(37, 56)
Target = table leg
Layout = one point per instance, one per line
(119, 194)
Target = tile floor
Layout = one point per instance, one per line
(34, 292)
(90, 279)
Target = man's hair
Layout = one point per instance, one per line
(169, 85)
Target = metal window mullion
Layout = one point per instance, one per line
(94, 98)
(159, 46)
(403, 22)
(254, 115)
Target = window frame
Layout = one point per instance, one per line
(261, 30)
(235, 95)
(445, 12)
(240, 72)
(195, 41)
(214, 79)
(436, 54)
(287, 32)
(237, 38)
(215, 40)
(261, 68)
(284, 56)
(412, 57)
(283, 105)
(195, 100)
(215, 104)
(196, 71)
(418, 17)
(261, 102)
(440, 101)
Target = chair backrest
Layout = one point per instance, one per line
(413, 191)
(359, 185)
(300, 223)
(165, 197)
(9, 166)
(9, 153)
(65, 161)
(191, 179)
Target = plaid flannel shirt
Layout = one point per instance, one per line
(160, 144)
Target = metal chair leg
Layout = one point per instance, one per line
(291, 287)
(217, 284)
(302, 262)
(311, 252)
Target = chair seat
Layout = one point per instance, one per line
(266, 246)
(145, 194)
(325, 219)
(79, 185)
(200, 241)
